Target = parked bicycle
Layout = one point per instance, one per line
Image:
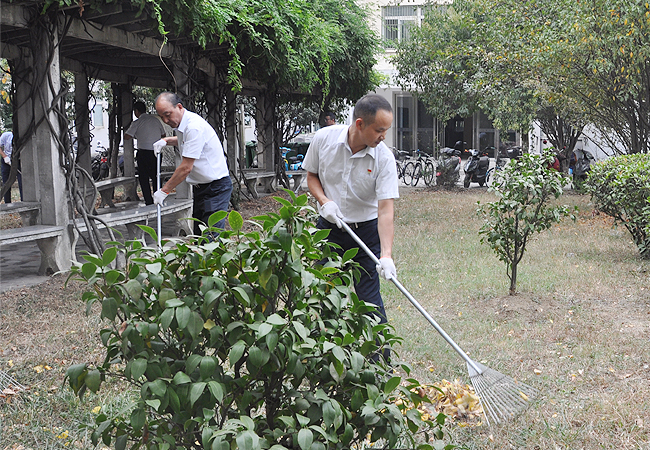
(423, 167)
(401, 159)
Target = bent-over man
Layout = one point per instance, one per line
(203, 164)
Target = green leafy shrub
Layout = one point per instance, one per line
(525, 188)
(246, 342)
(620, 188)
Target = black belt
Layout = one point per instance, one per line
(360, 224)
(144, 149)
(204, 185)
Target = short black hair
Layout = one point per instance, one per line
(330, 114)
(140, 106)
(171, 97)
(367, 106)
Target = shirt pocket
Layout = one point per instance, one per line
(365, 185)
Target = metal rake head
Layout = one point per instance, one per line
(7, 382)
(501, 396)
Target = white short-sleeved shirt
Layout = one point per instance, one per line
(6, 142)
(147, 129)
(356, 182)
(198, 140)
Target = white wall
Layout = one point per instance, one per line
(590, 141)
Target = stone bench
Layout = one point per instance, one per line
(30, 233)
(106, 188)
(46, 236)
(258, 178)
(29, 211)
(296, 176)
(136, 213)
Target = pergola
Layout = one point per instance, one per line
(115, 43)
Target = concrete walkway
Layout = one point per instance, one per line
(19, 264)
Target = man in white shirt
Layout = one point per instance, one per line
(147, 129)
(203, 163)
(353, 176)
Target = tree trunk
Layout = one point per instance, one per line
(513, 279)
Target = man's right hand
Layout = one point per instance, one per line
(330, 211)
(159, 197)
(158, 146)
(7, 160)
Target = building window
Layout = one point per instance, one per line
(397, 22)
(98, 116)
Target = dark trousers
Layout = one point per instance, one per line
(367, 288)
(6, 168)
(210, 198)
(147, 170)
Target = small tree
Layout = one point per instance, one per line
(246, 342)
(525, 188)
(620, 188)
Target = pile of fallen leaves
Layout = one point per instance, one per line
(456, 400)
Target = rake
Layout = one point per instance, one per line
(158, 207)
(501, 396)
(8, 383)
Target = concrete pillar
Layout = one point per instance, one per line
(184, 87)
(264, 124)
(82, 120)
(213, 103)
(242, 139)
(23, 120)
(42, 173)
(231, 129)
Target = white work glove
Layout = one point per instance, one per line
(330, 211)
(7, 160)
(158, 146)
(386, 268)
(159, 197)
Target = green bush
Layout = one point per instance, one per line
(620, 188)
(525, 188)
(246, 342)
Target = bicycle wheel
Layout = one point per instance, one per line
(409, 168)
(417, 173)
(429, 172)
(488, 174)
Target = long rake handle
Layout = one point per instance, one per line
(415, 303)
(159, 215)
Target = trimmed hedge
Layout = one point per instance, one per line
(620, 188)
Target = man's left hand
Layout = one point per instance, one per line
(158, 146)
(386, 268)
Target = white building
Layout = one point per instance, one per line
(414, 127)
